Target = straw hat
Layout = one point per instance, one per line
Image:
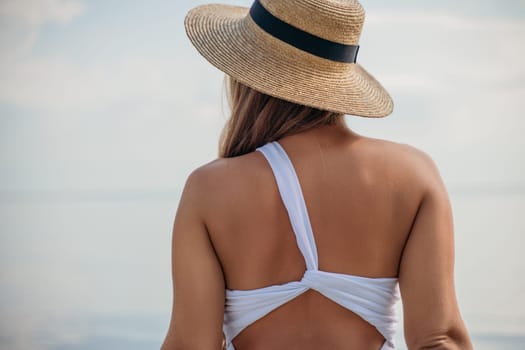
(303, 51)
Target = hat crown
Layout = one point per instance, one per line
(340, 21)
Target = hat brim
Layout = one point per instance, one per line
(232, 42)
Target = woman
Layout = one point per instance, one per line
(302, 233)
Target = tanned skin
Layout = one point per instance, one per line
(377, 209)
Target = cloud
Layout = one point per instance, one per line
(58, 84)
(458, 86)
(22, 20)
(480, 8)
(62, 84)
(431, 52)
(37, 12)
(457, 81)
(446, 21)
(433, 49)
(61, 87)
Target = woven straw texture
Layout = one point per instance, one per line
(230, 40)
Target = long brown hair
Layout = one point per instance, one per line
(257, 119)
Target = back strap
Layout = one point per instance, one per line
(292, 197)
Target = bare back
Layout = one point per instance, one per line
(361, 197)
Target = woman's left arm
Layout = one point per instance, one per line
(198, 281)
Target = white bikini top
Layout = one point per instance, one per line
(373, 299)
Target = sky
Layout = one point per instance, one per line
(107, 106)
(109, 95)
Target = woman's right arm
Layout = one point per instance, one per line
(432, 319)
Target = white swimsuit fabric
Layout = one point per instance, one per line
(373, 299)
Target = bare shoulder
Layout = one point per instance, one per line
(206, 174)
(398, 150)
(222, 168)
(222, 176)
(408, 160)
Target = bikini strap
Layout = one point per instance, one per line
(293, 199)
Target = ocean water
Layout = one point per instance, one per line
(91, 270)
